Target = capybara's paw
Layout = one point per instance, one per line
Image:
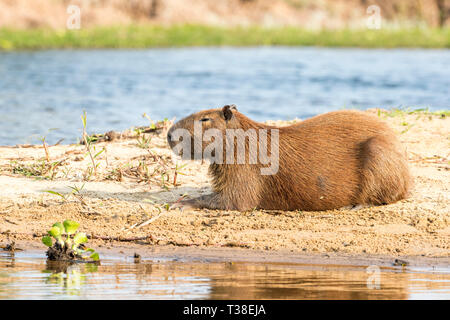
(355, 207)
(187, 204)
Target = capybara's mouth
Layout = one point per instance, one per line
(170, 138)
(180, 152)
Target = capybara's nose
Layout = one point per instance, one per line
(169, 138)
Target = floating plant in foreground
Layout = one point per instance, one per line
(68, 246)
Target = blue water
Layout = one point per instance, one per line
(45, 90)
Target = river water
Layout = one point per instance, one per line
(43, 93)
(28, 276)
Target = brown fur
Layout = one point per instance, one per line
(337, 159)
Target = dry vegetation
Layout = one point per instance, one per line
(303, 13)
(90, 160)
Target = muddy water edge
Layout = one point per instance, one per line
(195, 273)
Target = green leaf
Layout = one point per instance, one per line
(83, 118)
(80, 238)
(180, 167)
(70, 226)
(98, 153)
(55, 232)
(55, 193)
(60, 226)
(95, 256)
(47, 241)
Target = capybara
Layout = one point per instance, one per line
(338, 159)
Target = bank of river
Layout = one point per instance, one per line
(142, 36)
(129, 197)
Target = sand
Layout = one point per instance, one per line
(123, 202)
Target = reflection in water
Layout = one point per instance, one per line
(68, 276)
(30, 277)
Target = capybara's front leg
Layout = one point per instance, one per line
(197, 203)
(212, 201)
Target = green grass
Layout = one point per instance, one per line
(194, 35)
(395, 112)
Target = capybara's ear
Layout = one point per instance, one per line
(227, 113)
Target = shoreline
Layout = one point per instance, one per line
(130, 195)
(191, 35)
(125, 251)
(60, 141)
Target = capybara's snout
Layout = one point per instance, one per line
(171, 137)
(176, 136)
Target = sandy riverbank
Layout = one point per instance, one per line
(127, 191)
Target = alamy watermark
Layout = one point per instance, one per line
(373, 280)
(74, 19)
(374, 19)
(241, 147)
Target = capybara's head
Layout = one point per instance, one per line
(196, 126)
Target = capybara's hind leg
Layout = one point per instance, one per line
(385, 176)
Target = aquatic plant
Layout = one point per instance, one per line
(68, 245)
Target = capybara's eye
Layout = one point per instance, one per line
(205, 119)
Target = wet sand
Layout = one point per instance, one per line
(127, 200)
